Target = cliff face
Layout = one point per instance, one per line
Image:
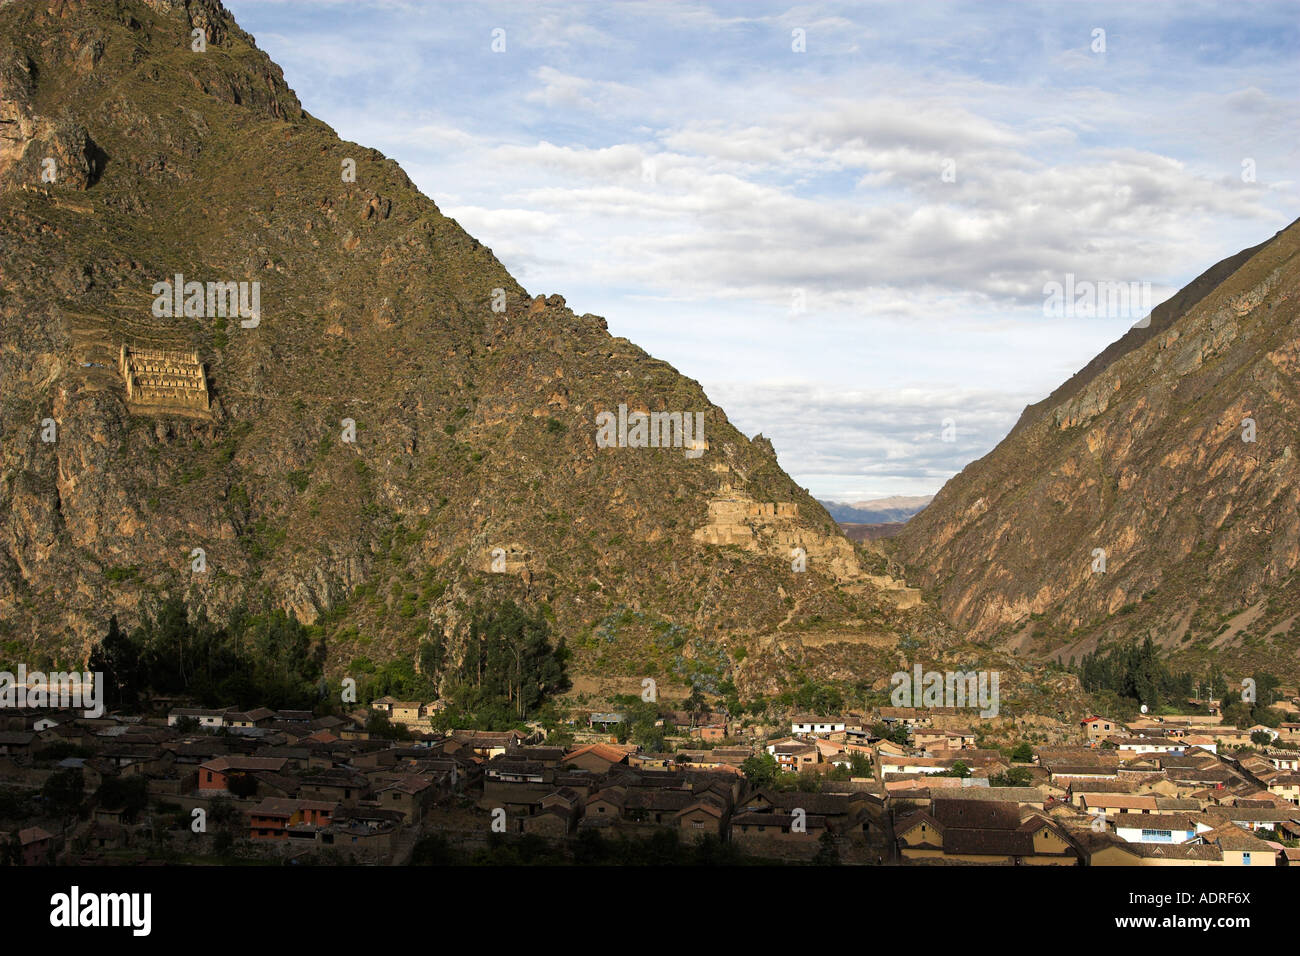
(383, 425)
(1173, 456)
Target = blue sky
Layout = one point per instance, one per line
(846, 245)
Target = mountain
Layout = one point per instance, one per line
(896, 508)
(1173, 456)
(247, 363)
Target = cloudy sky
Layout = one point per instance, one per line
(839, 218)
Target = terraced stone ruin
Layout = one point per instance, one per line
(164, 379)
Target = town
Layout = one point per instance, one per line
(896, 786)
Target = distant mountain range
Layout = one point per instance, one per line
(896, 508)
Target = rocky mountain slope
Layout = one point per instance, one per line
(392, 428)
(1157, 491)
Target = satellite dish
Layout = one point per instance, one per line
(1144, 708)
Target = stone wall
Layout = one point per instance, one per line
(164, 378)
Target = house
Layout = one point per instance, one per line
(794, 757)
(1097, 728)
(978, 831)
(1148, 745)
(410, 795)
(712, 733)
(909, 717)
(272, 818)
(927, 739)
(1078, 789)
(606, 804)
(597, 758)
(1157, 827)
(248, 719)
(362, 831)
(827, 749)
(552, 822)
(485, 743)
(1286, 786)
(337, 785)
(1239, 847)
(558, 815)
(705, 815)
(1107, 849)
(108, 836)
(1283, 759)
(1065, 774)
(37, 845)
(1111, 804)
(15, 742)
(732, 756)
(549, 757)
(777, 833)
(207, 718)
(1254, 818)
(808, 724)
(217, 774)
(843, 813)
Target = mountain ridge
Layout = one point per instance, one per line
(1171, 457)
(472, 470)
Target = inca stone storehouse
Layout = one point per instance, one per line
(164, 378)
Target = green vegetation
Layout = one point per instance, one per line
(509, 670)
(1015, 777)
(1136, 674)
(266, 658)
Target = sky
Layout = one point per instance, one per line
(844, 220)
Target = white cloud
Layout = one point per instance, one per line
(677, 168)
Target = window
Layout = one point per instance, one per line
(1245, 859)
(1158, 836)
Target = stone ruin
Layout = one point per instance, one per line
(731, 519)
(164, 378)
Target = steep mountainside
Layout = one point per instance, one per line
(231, 472)
(1173, 456)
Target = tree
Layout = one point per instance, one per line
(827, 853)
(510, 667)
(1015, 777)
(11, 851)
(117, 658)
(380, 727)
(1023, 753)
(760, 770)
(64, 791)
(128, 794)
(808, 781)
(897, 734)
(242, 784)
(696, 705)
